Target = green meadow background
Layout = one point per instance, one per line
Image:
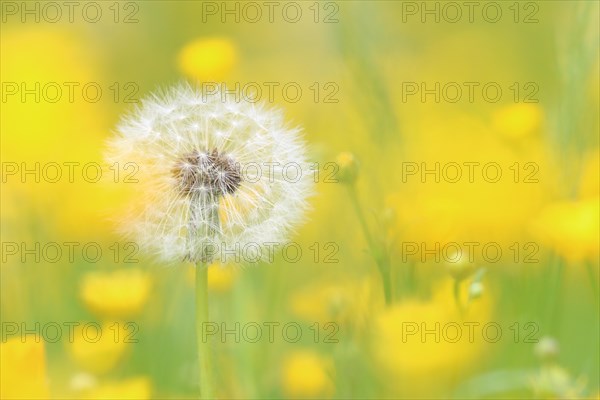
(356, 63)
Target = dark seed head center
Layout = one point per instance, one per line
(209, 172)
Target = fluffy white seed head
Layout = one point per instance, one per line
(219, 179)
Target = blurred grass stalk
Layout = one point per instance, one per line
(378, 253)
(347, 175)
(578, 57)
(355, 47)
(204, 353)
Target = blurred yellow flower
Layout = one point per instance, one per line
(348, 167)
(138, 388)
(518, 120)
(120, 294)
(38, 130)
(423, 339)
(451, 192)
(571, 228)
(306, 374)
(221, 278)
(208, 59)
(23, 370)
(590, 175)
(341, 302)
(98, 348)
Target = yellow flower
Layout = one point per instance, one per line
(208, 59)
(571, 228)
(348, 167)
(221, 278)
(98, 348)
(119, 294)
(341, 302)
(458, 195)
(132, 388)
(23, 370)
(307, 374)
(518, 120)
(590, 176)
(39, 132)
(402, 347)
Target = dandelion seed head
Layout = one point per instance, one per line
(203, 154)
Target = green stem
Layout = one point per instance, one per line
(457, 296)
(412, 277)
(555, 294)
(204, 351)
(593, 279)
(360, 215)
(387, 283)
(380, 259)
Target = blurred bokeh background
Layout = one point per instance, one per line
(379, 99)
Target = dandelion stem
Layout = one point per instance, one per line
(380, 257)
(204, 354)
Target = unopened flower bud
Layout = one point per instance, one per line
(348, 164)
(387, 217)
(475, 290)
(460, 267)
(547, 348)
